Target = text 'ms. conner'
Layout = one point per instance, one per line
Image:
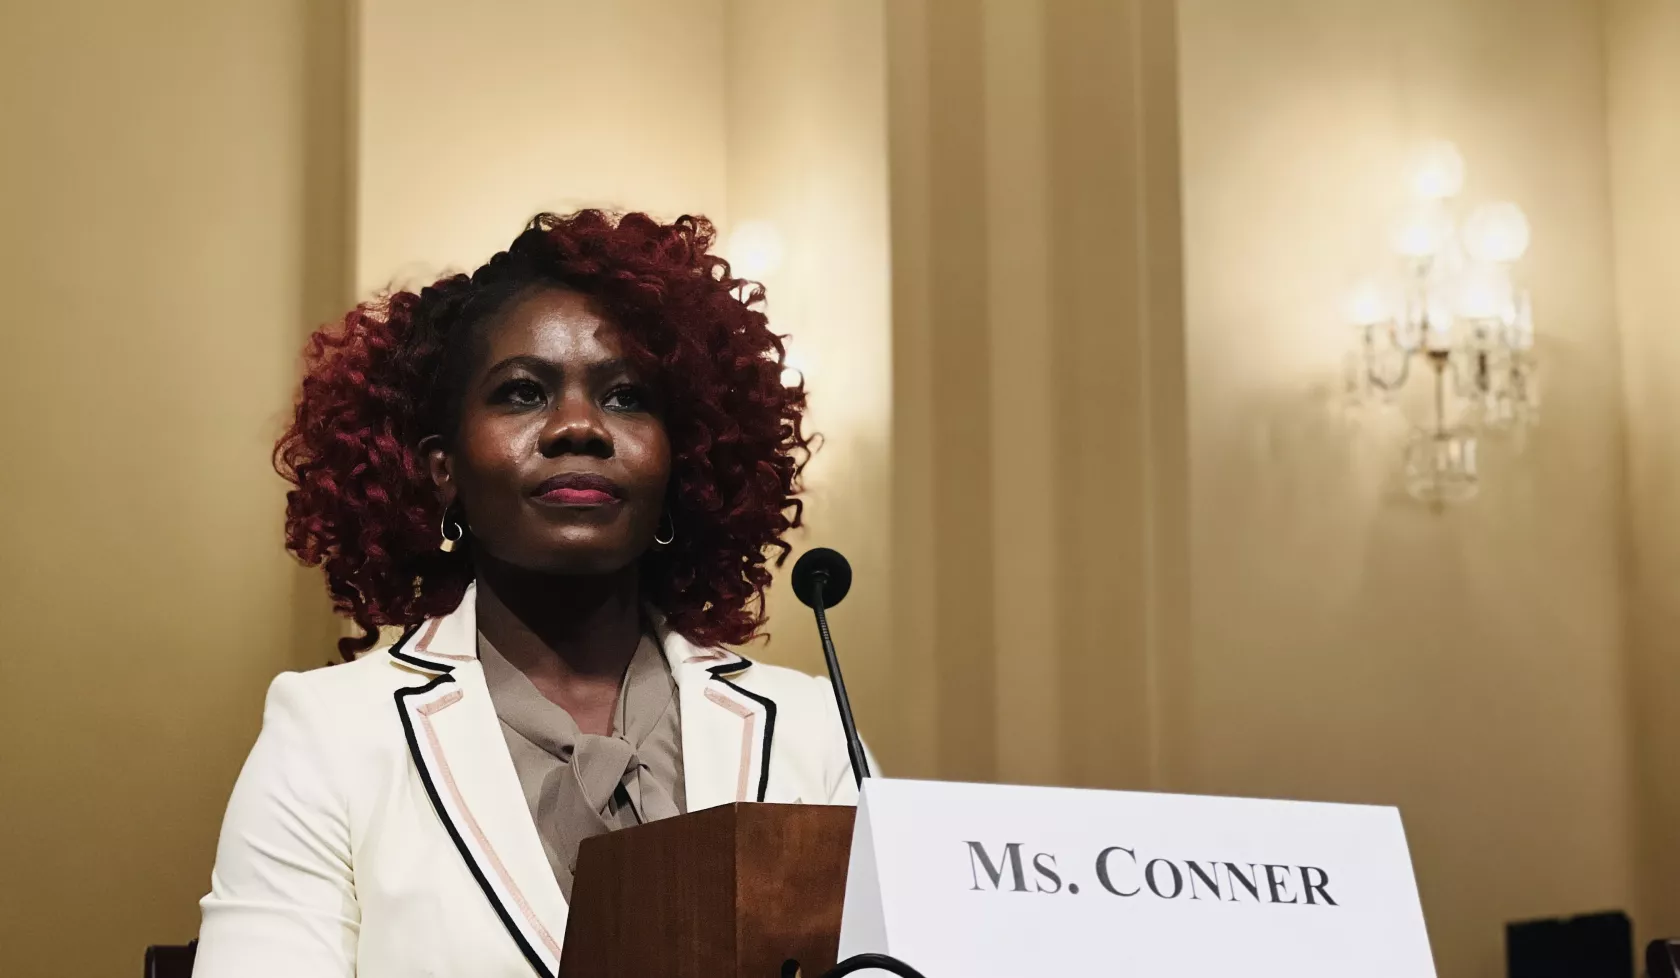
(1122, 872)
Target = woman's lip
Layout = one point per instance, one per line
(579, 489)
(578, 497)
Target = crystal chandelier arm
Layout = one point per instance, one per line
(1440, 365)
(1395, 379)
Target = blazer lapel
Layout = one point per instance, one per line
(728, 732)
(458, 749)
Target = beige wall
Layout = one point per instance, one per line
(1643, 44)
(469, 124)
(1348, 644)
(155, 198)
(1037, 388)
(806, 154)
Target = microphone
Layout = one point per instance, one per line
(821, 578)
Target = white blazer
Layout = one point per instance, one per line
(378, 828)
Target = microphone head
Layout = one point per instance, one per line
(824, 566)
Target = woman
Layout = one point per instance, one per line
(560, 476)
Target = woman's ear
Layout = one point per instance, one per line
(439, 465)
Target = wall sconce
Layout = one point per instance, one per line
(1448, 302)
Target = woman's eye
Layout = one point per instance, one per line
(520, 393)
(626, 399)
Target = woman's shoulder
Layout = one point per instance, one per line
(368, 674)
(803, 701)
(808, 718)
(786, 687)
(343, 703)
(768, 678)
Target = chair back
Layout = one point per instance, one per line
(170, 960)
(1662, 958)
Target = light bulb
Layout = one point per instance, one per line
(1370, 305)
(1422, 231)
(1483, 291)
(1437, 171)
(1496, 232)
(754, 250)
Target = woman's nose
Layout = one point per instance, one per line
(575, 428)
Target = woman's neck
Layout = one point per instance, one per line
(573, 637)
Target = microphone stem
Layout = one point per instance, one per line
(854, 746)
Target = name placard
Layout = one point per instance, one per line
(1000, 881)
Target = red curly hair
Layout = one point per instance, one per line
(391, 373)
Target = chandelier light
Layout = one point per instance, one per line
(1447, 311)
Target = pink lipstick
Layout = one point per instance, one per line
(579, 489)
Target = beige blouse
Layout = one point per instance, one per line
(577, 784)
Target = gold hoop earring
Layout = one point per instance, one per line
(670, 531)
(447, 544)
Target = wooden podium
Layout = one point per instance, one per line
(740, 891)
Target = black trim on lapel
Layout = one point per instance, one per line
(425, 664)
(730, 668)
(718, 672)
(396, 652)
(525, 947)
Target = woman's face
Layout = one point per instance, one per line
(560, 460)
